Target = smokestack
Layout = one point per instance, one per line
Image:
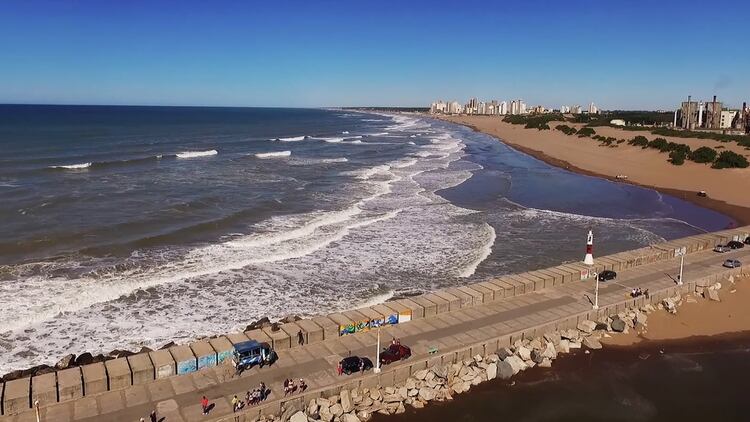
(714, 98)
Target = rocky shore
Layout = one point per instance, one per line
(441, 383)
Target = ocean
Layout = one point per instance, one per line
(695, 379)
(125, 227)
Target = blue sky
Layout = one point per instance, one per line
(619, 54)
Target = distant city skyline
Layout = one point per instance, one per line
(626, 55)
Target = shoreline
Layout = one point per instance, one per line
(740, 214)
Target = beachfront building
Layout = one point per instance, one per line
(727, 118)
(503, 108)
(576, 109)
(593, 109)
(564, 109)
(617, 122)
(440, 107)
(699, 115)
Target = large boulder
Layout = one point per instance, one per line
(516, 363)
(84, 359)
(618, 325)
(504, 370)
(553, 337)
(65, 362)
(524, 353)
(592, 342)
(536, 356)
(312, 410)
(403, 392)
(346, 401)
(298, 417)
(421, 374)
(261, 323)
(549, 351)
(336, 410)
(713, 295)
(349, 417)
(587, 326)
(504, 353)
(325, 414)
(426, 394)
(546, 363)
(491, 371)
(564, 346)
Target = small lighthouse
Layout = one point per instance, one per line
(589, 259)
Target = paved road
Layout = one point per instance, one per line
(177, 398)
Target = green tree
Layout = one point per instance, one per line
(586, 131)
(677, 157)
(729, 159)
(639, 141)
(703, 155)
(659, 143)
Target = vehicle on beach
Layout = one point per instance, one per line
(736, 244)
(353, 364)
(607, 275)
(702, 194)
(732, 263)
(722, 248)
(393, 353)
(247, 354)
(747, 240)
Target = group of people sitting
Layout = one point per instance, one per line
(290, 386)
(638, 292)
(252, 397)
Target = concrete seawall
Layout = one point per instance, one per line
(394, 376)
(78, 382)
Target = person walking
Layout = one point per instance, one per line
(204, 405)
(152, 416)
(300, 338)
(339, 369)
(235, 403)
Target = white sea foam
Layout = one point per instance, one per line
(393, 225)
(292, 139)
(346, 132)
(72, 166)
(195, 154)
(275, 154)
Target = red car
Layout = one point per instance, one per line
(394, 353)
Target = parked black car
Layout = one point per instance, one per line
(735, 244)
(355, 363)
(607, 275)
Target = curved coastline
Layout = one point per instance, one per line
(740, 214)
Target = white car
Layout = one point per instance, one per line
(722, 248)
(732, 263)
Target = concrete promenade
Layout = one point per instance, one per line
(456, 322)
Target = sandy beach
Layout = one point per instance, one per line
(645, 167)
(697, 318)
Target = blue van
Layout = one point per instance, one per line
(250, 353)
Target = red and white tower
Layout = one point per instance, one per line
(589, 259)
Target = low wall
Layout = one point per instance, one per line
(18, 395)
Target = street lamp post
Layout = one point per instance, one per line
(596, 292)
(377, 355)
(36, 409)
(681, 252)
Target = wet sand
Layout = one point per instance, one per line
(647, 168)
